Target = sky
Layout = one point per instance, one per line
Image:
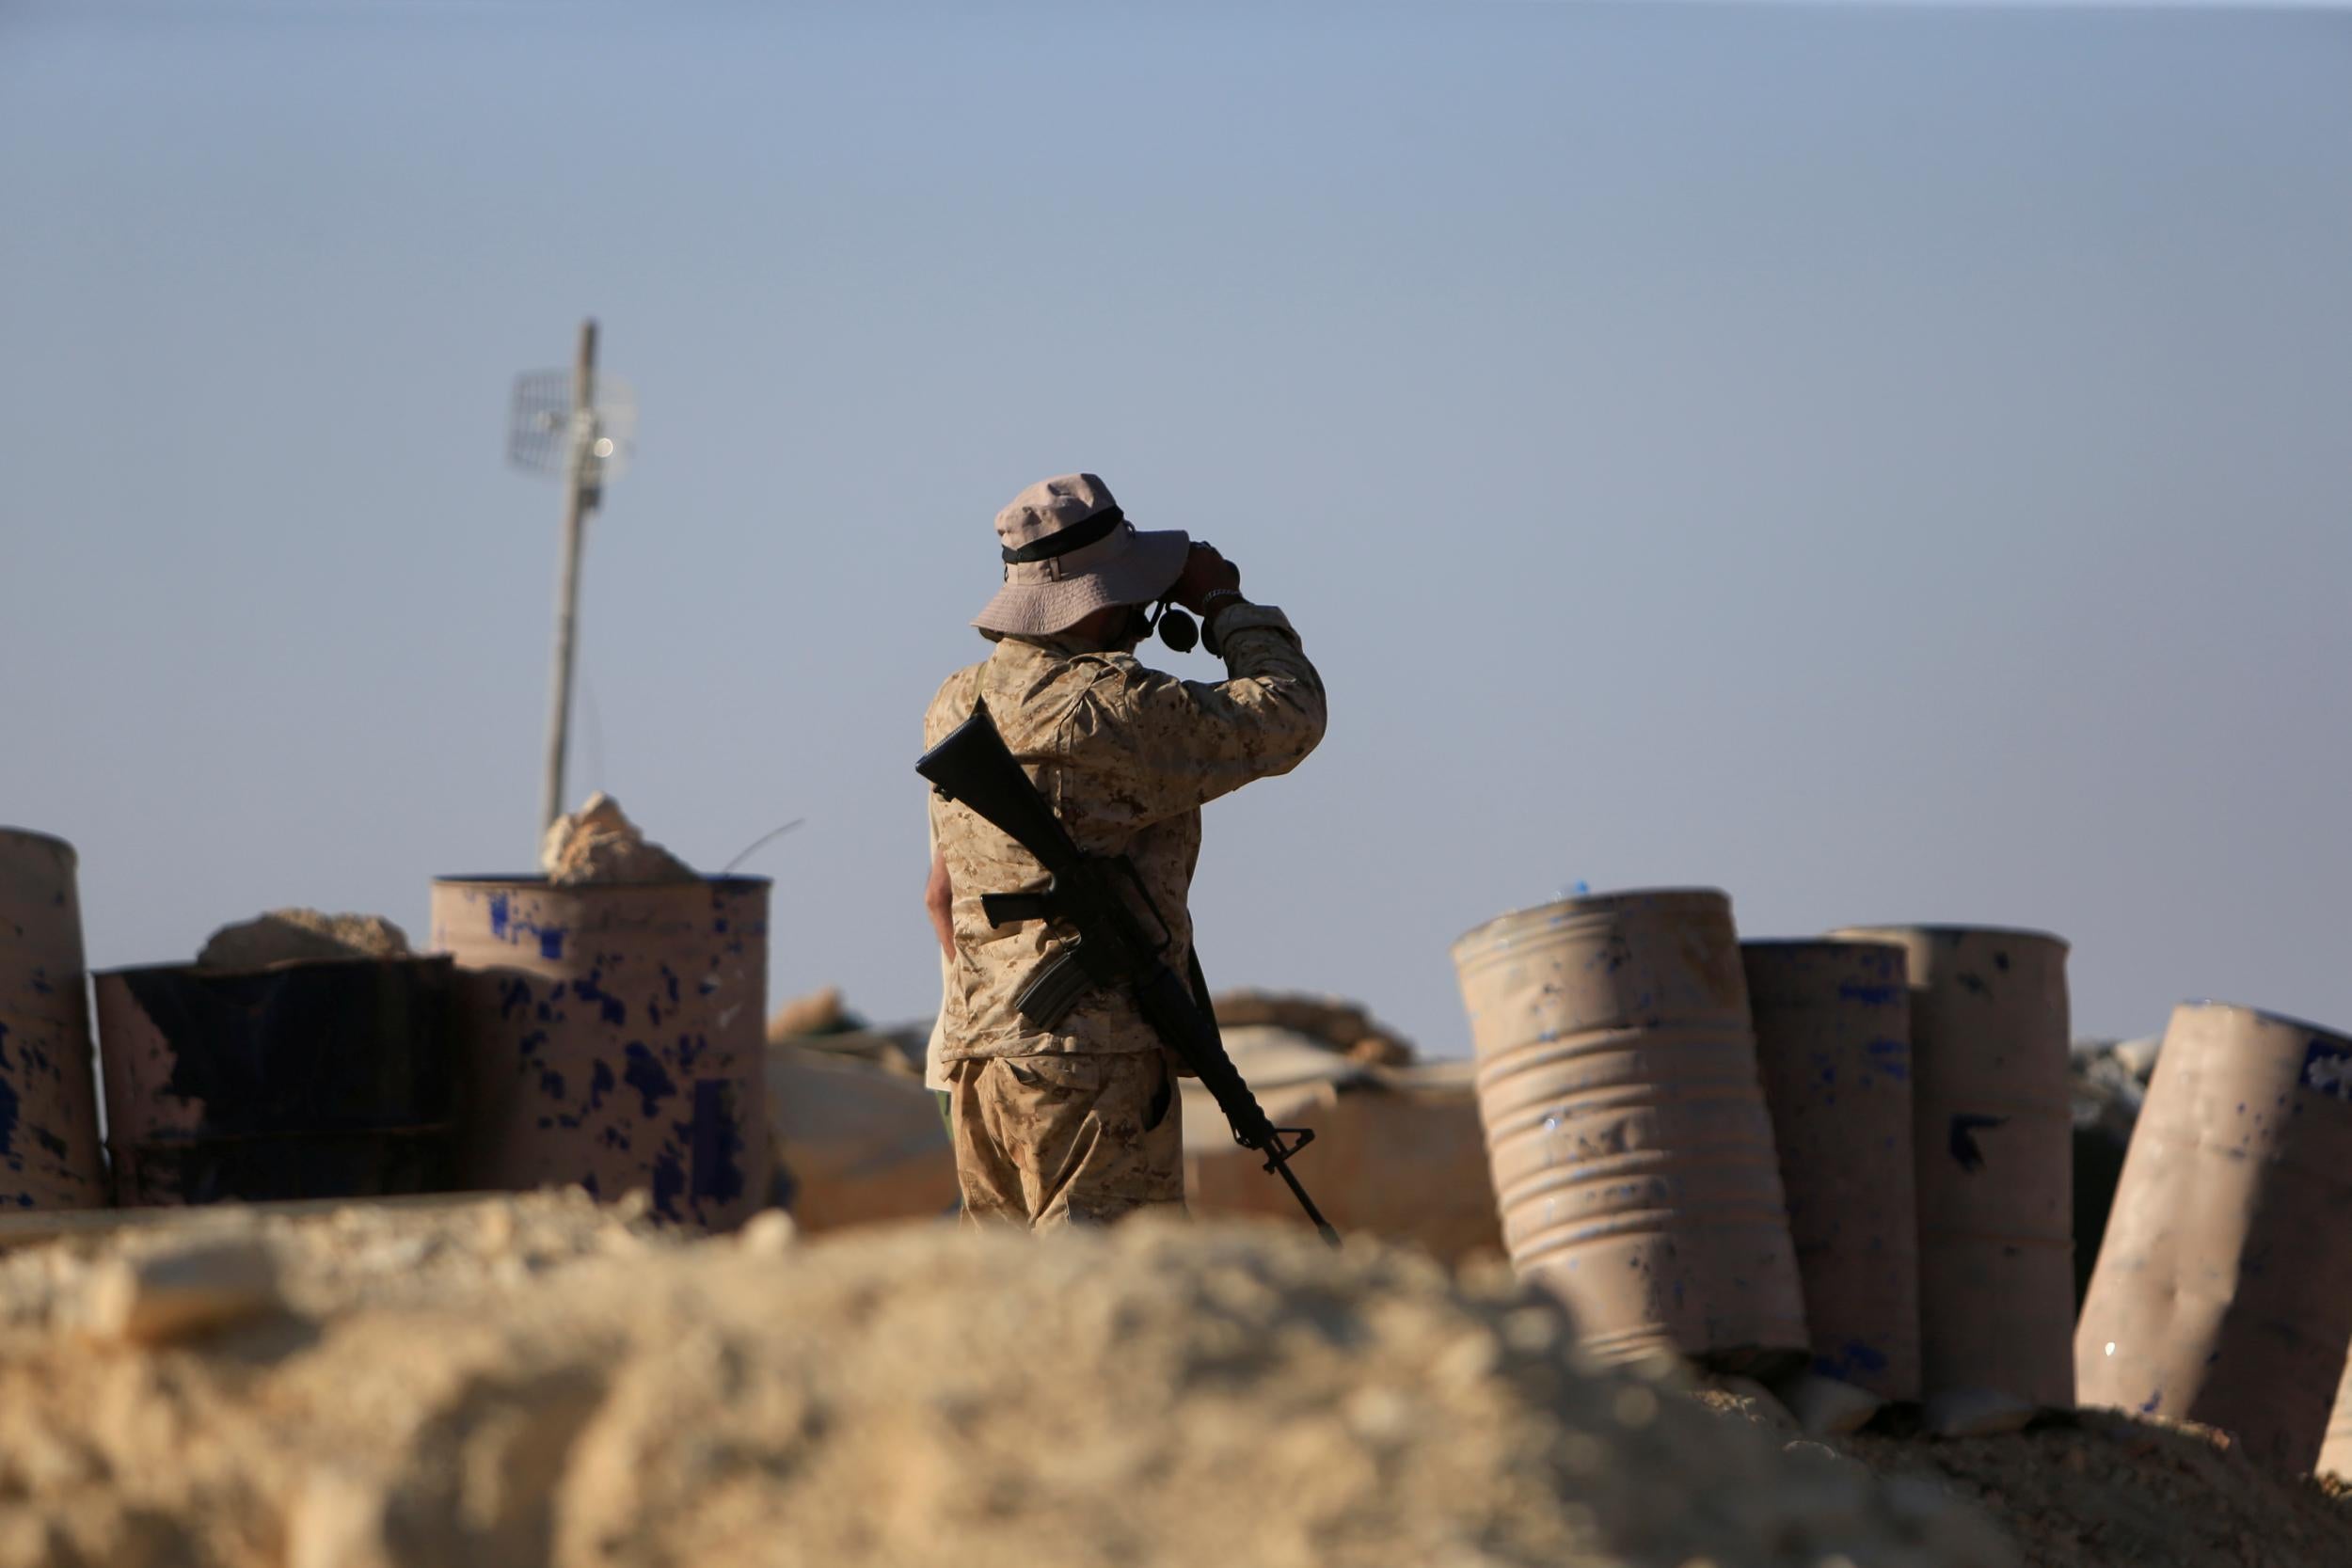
(1889, 463)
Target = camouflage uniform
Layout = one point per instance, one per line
(1082, 1122)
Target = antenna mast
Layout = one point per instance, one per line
(577, 427)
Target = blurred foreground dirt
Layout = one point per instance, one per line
(543, 1380)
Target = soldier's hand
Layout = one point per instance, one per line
(1205, 572)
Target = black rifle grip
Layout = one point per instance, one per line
(1011, 908)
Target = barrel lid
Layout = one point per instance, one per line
(2286, 1019)
(72, 856)
(1897, 931)
(1594, 903)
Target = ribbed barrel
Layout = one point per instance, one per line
(1992, 1138)
(2335, 1454)
(1630, 1148)
(2223, 1292)
(48, 1154)
(324, 1078)
(1832, 1041)
(613, 1038)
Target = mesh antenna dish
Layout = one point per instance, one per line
(539, 428)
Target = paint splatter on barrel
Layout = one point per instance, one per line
(1993, 1146)
(2224, 1290)
(1630, 1148)
(1833, 1040)
(49, 1151)
(612, 1037)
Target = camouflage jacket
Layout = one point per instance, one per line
(1127, 755)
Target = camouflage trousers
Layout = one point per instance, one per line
(1049, 1141)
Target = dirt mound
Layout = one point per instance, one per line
(1173, 1394)
(820, 1012)
(338, 1260)
(2103, 1489)
(598, 844)
(284, 935)
(2100, 1489)
(1342, 1024)
(541, 1380)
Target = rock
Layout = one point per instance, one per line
(2139, 1057)
(184, 1293)
(769, 1233)
(292, 935)
(1827, 1406)
(599, 845)
(1977, 1412)
(820, 1012)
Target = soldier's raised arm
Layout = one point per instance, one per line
(1173, 744)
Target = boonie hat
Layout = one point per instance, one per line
(1070, 551)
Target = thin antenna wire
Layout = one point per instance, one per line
(760, 841)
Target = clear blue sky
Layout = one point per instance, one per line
(1890, 462)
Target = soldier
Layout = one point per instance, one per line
(1082, 1123)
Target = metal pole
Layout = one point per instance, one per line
(580, 498)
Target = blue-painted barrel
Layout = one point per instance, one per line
(49, 1151)
(613, 1038)
(2224, 1290)
(1626, 1130)
(316, 1078)
(1992, 1142)
(1832, 1041)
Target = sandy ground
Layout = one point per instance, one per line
(541, 1380)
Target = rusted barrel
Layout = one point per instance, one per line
(321, 1078)
(613, 1036)
(49, 1152)
(2224, 1290)
(1832, 1042)
(1992, 1136)
(1630, 1148)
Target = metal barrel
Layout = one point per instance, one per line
(2224, 1290)
(613, 1038)
(49, 1151)
(1992, 1141)
(1627, 1134)
(322, 1078)
(1832, 1042)
(2335, 1454)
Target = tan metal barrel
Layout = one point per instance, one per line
(612, 1037)
(2224, 1290)
(2335, 1454)
(1626, 1131)
(49, 1151)
(1992, 1136)
(1832, 1041)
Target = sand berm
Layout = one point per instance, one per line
(544, 1381)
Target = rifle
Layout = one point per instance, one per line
(973, 768)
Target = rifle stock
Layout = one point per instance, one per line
(974, 767)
